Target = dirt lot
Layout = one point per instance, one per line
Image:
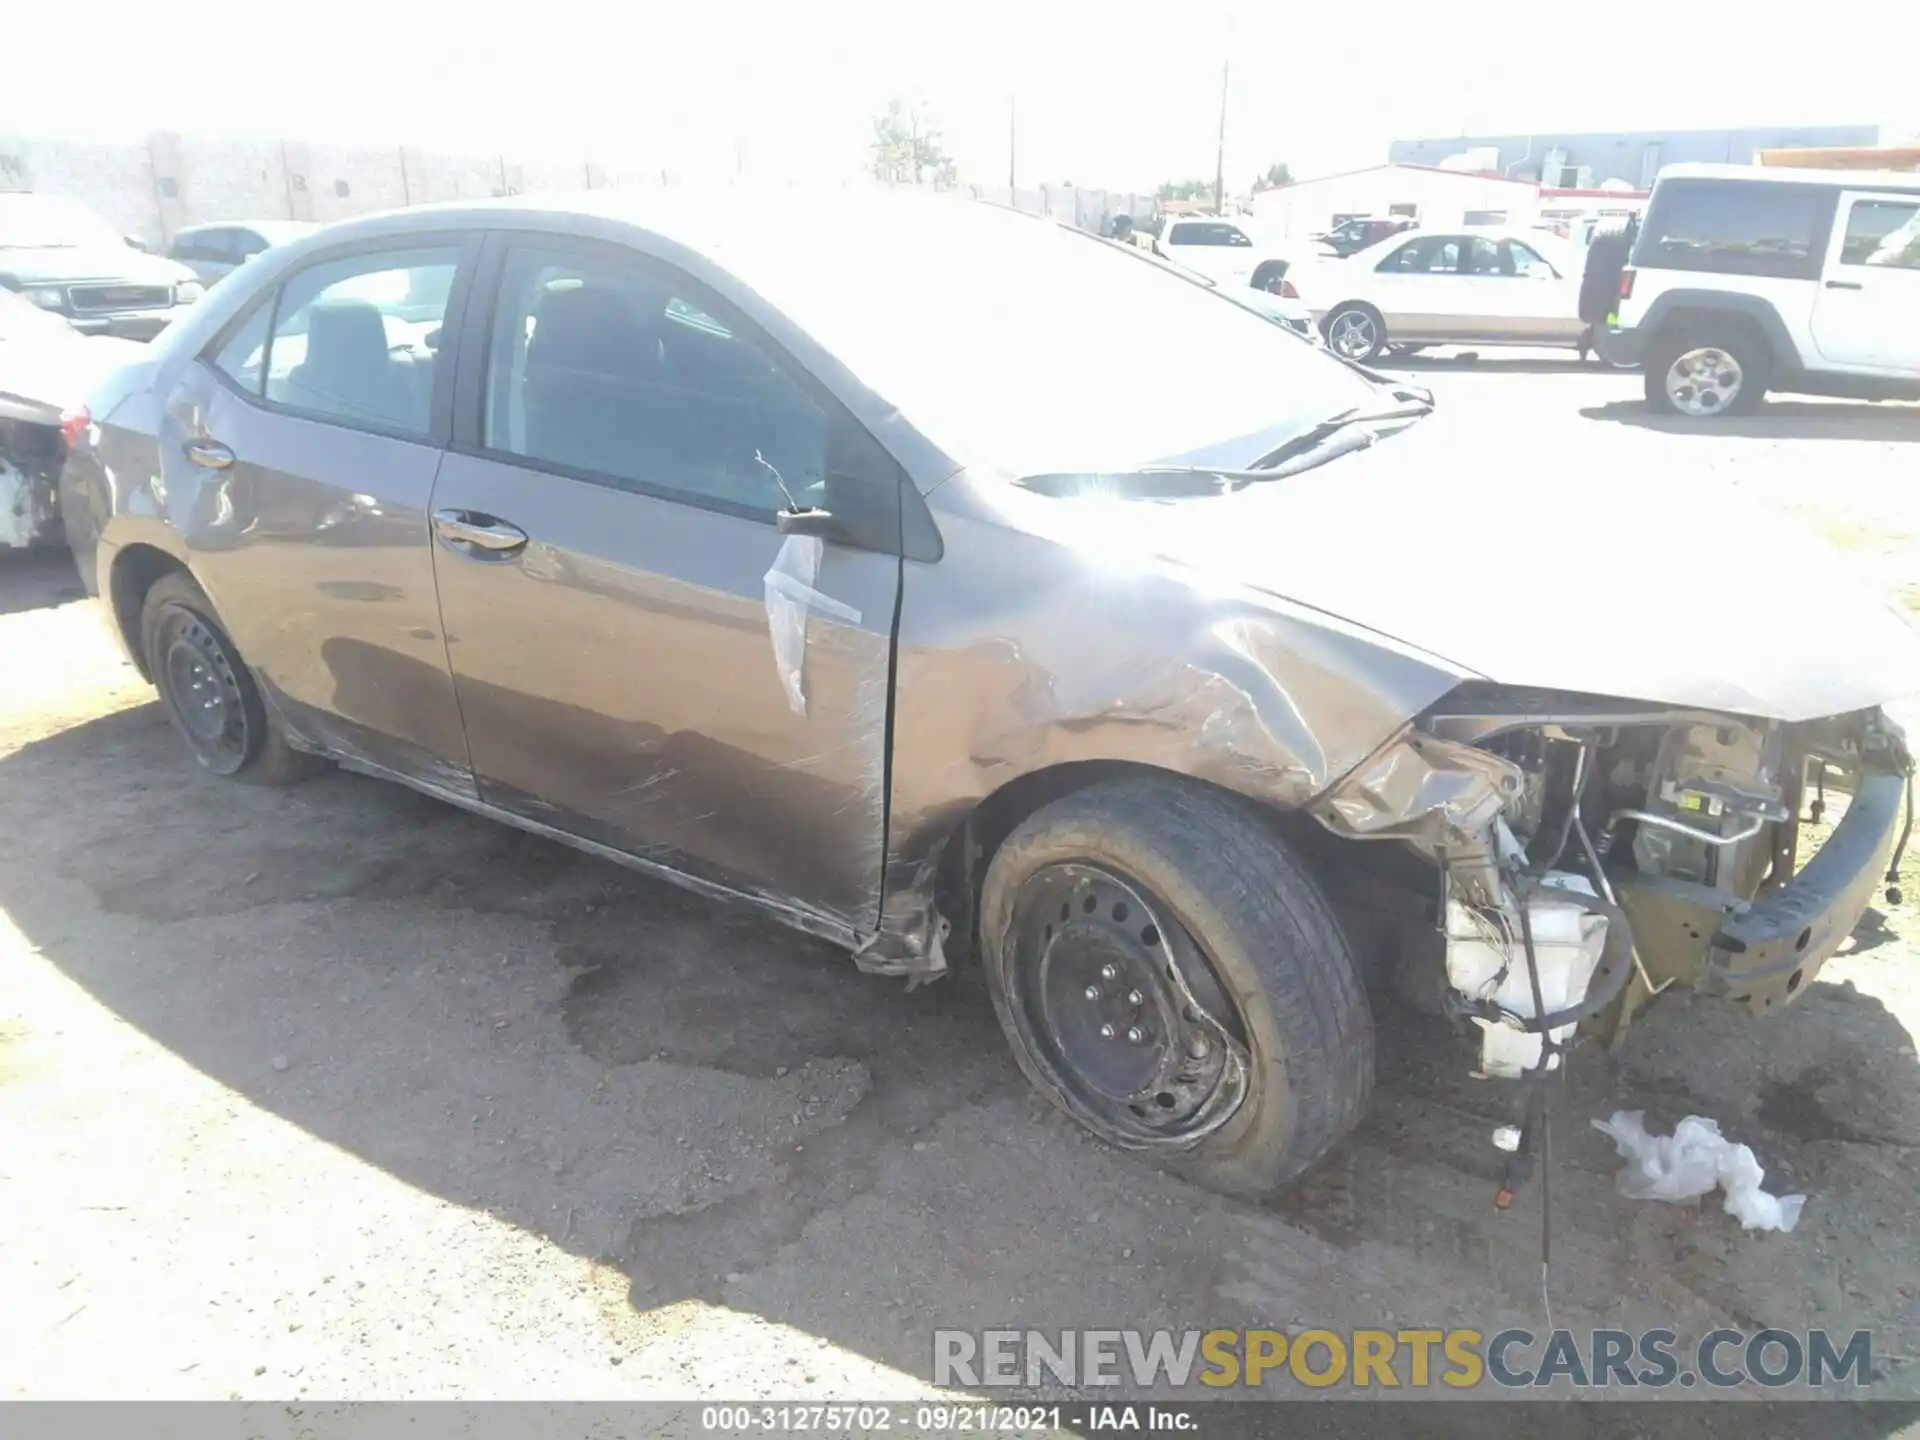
(341, 1092)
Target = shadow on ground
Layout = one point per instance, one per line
(1493, 362)
(37, 580)
(1778, 420)
(728, 1111)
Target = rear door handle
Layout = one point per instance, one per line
(1845, 285)
(464, 531)
(210, 453)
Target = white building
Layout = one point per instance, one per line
(1433, 196)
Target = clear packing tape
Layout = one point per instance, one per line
(1688, 1163)
(791, 597)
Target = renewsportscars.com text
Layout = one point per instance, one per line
(1456, 1359)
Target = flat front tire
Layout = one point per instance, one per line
(1169, 975)
(210, 694)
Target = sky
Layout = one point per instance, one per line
(1103, 94)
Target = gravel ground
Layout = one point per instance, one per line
(339, 1092)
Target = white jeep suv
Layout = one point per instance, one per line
(1225, 251)
(1746, 279)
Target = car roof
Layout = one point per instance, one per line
(730, 225)
(264, 227)
(1793, 175)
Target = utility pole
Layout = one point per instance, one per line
(1012, 150)
(1220, 151)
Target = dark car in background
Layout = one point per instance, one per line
(1062, 612)
(1352, 236)
(62, 257)
(212, 251)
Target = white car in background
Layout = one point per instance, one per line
(46, 369)
(1469, 286)
(1226, 251)
(1282, 304)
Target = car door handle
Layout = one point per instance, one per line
(465, 530)
(1845, 285)
(210, 453)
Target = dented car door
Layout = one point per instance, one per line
(642, 658)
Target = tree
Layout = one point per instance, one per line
(1273, 177)
(1184, 190)
(907, 147)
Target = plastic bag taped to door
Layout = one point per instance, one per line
(791, 598)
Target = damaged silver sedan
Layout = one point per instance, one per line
(979, 592)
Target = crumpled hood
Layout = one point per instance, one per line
(60, 265)
(1671, 587)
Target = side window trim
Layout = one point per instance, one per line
(440, 405)
(475, 358)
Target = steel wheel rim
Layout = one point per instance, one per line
(1353, 334)
(1116, 1007)
(203, 691)
(1704, 381)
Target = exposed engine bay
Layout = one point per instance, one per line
(1585, 855)
(31, 453)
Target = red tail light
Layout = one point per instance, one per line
(1626, 284)
(74, 424)
(1288, 290)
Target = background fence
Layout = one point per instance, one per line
(154, 187)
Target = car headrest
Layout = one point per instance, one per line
(591, 328)
(345, 332)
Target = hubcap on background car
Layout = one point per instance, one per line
(1704, 381)
(203, 691)
(1352, 335)
(1120, 1011)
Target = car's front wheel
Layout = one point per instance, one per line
(1170, 976)
(210, 694)
(1356, 332)
(1700, 373)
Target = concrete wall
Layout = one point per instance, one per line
(1632, 156)
(152, 188)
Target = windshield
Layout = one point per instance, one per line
(48, 222)
(1035, 349)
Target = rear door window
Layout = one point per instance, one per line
(1207, 232)
(1429, 255)
(202, 245)
(1884, 234)
(356, 340)
(1737, 228)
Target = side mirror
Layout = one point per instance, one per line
(811, 521)
(134, 242)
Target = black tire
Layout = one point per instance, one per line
(210, 693)
(1216, 874)
(1748, 351)
(1364, 324)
